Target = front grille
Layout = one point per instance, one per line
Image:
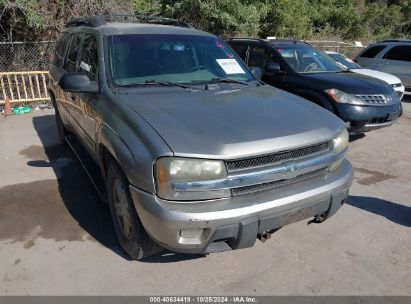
(373, 99)
(271, 159)
(377, 120)
(277, 183)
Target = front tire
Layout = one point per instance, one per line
(129, 230)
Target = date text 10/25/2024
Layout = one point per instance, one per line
(205, 299)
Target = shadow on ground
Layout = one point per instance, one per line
(406, 98)
(355, 137)
(87, 214)
(394, 212)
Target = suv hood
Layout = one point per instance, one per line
(349, 82)
(233, 123)
(390, 79)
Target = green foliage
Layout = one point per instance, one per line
(222, 17)
(287, 18)
(331, 19)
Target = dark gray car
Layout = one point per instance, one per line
(197, 155)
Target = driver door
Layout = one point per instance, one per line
(260, 57)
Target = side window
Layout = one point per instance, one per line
(240, 49)
(259, 57)
(401, 52)
(373, 51)
(89, 57)
(71, 60)
(59, 50)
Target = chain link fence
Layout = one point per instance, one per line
(348, 49)
(26, 56)
(24, 72)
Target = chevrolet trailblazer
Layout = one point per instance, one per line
(197, 155)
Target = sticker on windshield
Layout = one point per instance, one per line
(230, 66)
(179, 47)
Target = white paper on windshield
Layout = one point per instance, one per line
(230, 66)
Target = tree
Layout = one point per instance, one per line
(287, 18)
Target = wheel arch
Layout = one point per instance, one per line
(111, 147)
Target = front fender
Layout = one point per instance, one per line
(133, 156)
(318, 99)
(117, 148)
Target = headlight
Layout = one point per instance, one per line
(342, 97)
(177, 169)
(340, 144)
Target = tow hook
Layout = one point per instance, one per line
(319, 218)
(264, 236)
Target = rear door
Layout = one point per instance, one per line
(397, 61)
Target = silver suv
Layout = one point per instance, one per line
(196, 154)
(392, 56)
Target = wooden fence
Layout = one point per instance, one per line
(24, 87)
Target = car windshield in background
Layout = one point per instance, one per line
(304, 59)
(346, 62)
(145, 59)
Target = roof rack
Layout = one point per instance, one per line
(98, 20)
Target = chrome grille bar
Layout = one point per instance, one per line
(278, 183)
(284, 171)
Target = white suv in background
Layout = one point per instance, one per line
(392, 56)
(349, 64)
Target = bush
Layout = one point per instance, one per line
(350, 19)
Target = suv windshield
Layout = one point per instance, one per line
(304, 59)
(346, 62)
(143, 59)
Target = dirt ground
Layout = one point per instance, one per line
(56, 237)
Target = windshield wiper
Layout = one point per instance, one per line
(228, 80)
(169, 84)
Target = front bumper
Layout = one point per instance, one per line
(234, 223)
(366, 118)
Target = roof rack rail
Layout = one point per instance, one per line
(395, 40)
(98, 20)
(245, 38)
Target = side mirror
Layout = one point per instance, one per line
(273, 69)
(257, 72)
(78, 83)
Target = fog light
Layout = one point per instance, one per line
(194, 236)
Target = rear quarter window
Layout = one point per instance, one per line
(373, 51)
(400, 53)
